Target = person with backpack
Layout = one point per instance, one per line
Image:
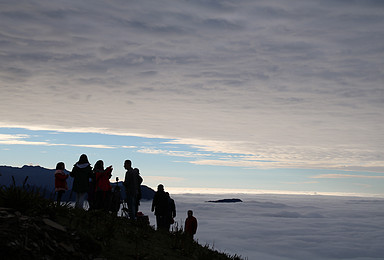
(160, 205)
(103, 187)
(60, 181)
(139, 182)
(81, 173)
(131, 189)
(171, 211)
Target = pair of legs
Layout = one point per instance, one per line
(59, 195)
(162, 222)
(80, 198)
(102, 200)
(131, 203)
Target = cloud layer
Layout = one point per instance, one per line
(282, 84)
(286, 227)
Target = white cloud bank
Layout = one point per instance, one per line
(290, 84)
(287, 227)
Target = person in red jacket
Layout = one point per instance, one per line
(103, 187)
(190, 226)
(60, 181)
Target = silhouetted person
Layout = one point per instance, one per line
(171, 211)
(81, 173)
(60, 181)
(92, 191)
(139, 182)
(103, 186)
(160, 205)
(131, 189)
(190, 226)
(115, 198)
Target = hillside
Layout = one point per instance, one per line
(33, 227)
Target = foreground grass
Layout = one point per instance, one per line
(35, 228)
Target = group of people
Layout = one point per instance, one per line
(95, 183)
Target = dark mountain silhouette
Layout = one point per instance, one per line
(44, 179)
(37, 176)
(225, 201)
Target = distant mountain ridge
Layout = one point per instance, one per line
(225, 201)
(44, 179)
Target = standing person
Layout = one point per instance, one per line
(92, 191)
(171, 211)
(81, 173)
(103, 187)
(60, 181)
(115, 198)
(139, 182)
(131, 189)
(160, 205)
(190, 226)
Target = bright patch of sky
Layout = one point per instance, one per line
(174, 164)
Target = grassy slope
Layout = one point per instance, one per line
(90, 235)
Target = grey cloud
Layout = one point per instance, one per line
(61, 13)
(93, 81)
(354, 4)
(221, 24)
(14, 74)
(273, 73)
(227, 82)
(19, 15)
(291, 48)
(148, 73)
(214, 5)
(272, 12)
(152, 28)
(44, 57)
(130, 63)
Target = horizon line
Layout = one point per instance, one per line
(223, 191)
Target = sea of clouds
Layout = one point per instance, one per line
(282, 227)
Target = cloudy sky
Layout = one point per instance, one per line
(276, 95)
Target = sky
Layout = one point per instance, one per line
(278, 95)
(286, 227)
